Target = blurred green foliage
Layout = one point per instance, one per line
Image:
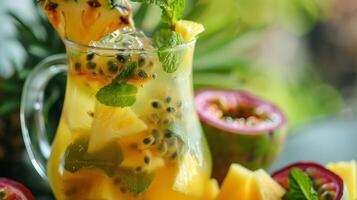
(223, 59)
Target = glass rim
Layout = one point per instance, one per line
(74, 45)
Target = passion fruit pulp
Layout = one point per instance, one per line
(328, 185)
(240, 128)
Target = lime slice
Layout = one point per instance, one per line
(188, 29)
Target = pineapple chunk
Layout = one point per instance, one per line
(78, 106)
(237, 184)
(264, 187)
(243, 184)
(211, 190)
(189, 179)
(111, 123)
(347, 171)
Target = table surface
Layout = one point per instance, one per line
(331, 139)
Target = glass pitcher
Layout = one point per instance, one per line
(128, 129)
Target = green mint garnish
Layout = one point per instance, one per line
(107, 159)
(117, 94)
(127, 72)
(300, 187)
(172, 10)
(164, 40)
(133, 182)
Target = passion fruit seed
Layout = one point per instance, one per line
(142, 74)
(170, 109)
(147, 159)
(94, 3)
(112, 67)
(90, 56)
(91, 65)
(155, 133)
(156, 104)
(139, 169)
(141, 60)
(122, 58)
(168, 99)
(174, 156)
(168, 134)
(51, 6)
(149, 140)
(77, 66)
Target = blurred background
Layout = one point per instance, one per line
(298, 54)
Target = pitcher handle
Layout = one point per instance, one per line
(31, 112)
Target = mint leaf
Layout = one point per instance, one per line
(164, 40)
(177, 131)
(172, 10)
(117, 94)
(127, 72)
(133, 182)
(107, 159)
(300, 187)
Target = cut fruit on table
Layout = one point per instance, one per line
(240, 128)
(347, 171)
(244, 184)
(211, 190)
(104, 130)
(83, 21)
(310, 180)
(12, 190)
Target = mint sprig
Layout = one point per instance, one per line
(172, 10)
(300, 187)
(118, 93)
(164, 40)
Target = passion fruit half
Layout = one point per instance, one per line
(328, 185)
(240, 128)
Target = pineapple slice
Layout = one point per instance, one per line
(85, 20)
(112, 123)
(189, 179)
(188, 29)
(347, 171)
(79, 105)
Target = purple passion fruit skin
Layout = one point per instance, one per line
(240, 128)
(328, 185)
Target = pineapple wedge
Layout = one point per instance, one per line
(111, 123)
(188, 29)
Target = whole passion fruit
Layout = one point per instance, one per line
(240, 128)
(328, 185)
(12, 190)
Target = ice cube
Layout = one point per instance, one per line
(124, 38)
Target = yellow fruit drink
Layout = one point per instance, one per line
(128, 128)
